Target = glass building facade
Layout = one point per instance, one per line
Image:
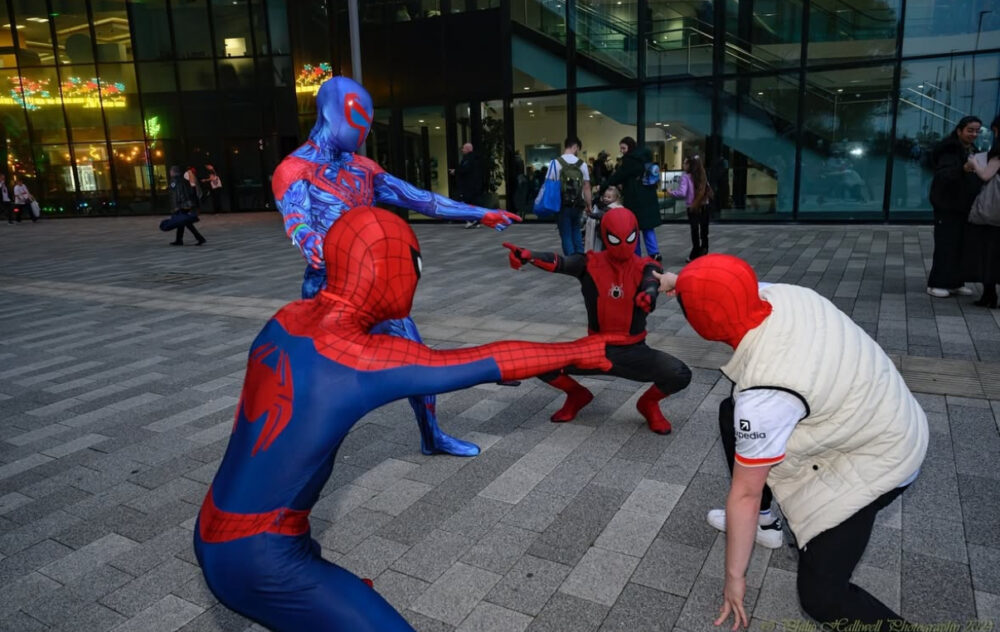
(801, 109)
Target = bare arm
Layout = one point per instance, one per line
(984, 173)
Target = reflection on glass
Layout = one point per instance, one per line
(536, 68)
(111, 31)
(236, 74)
(196, 75)
(231, 21)
(846, 138)
(33, 34)
(151, 30)
(133, 173)
(939, 26)
(933, 95)
(763, 35)
(191, 33)
(547, 17)
(680, 38)
(606, 41)
(755, 176)
(38, 92)
(679, 121)
(425, 149)
(842, 31)
(539, 132)
(81, 97)
(120, 99)
(74, 45)
(277, 24)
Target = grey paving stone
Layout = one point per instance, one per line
(487, 617)
(169, 613)
(529, 584)
(984, 562)
(569, 536)
(565, 612)
(217, 619)
(703, 605)
(930, 535)
(934, 589)
(414, 523)
(372, 556)
(642, 608)
(600, 576)
(433, 555)
(398, 589)
(980, 510)
(87, 558)
(455, 594)
(141, 593)
(537, 511)
(670, 567)
(500, 548)
(423, 623)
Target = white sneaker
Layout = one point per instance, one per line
(937, 292)
(961, 291)
(769, 536)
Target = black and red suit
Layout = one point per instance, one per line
(619, 290)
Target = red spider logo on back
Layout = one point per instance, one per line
(267, 390)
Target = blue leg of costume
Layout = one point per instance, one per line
(313, 281)
(432, 439)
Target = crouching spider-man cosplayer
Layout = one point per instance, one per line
(618, 290)
(314, 370)
(323, 179)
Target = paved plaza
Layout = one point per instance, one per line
(122, 358)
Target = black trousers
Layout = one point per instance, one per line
(946, 268)
(699, 230)
(829, 559)
(638, 363)
(190, 227)
(990, 252)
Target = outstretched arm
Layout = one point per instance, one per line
(296, 210)
(391, 190)
(573, 265)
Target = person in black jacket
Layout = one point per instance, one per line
(469, 179)
(184, 201)
(953, 190)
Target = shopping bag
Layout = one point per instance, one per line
(178, 219)
(36, 210)
(551, 201)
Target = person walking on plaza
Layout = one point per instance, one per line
(619, 290)
(639, 196)
(818, 414)
(191, 177)
(182, 194)
(6, 204)
(469, 178)
(697, 194)
(953, 190)
(215, 187)
(986, 214)
(22, 202)
(573, 176)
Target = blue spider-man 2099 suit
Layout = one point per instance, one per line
(313, 371)
(323, 179)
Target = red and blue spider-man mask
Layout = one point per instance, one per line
(373, 263)
(344, 115)
(619, 230)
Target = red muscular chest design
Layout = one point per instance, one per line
(267, 392)
(617, 285)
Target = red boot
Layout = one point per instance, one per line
(577, 396)
(649, 406)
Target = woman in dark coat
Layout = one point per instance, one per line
(953, 190)
(638, 198)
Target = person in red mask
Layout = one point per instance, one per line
(619, 290)
(818, 414)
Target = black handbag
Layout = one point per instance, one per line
(178, 219)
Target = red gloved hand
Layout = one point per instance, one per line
(644, 301)
(498, 219)
(517, 256)
(312, 249)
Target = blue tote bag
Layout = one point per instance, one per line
(551, 201)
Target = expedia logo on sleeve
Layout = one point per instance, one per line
(745, 431)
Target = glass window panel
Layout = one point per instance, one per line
(839, 31)
(196, 75)
(191, 35)
(536, 68)
(604, 118)
(755, 175)
(547, 17)
(763, 34)
(933, 95)
(310, 30)
(277, 24)
(680, 38)
(425, 150)
(539, 132)
(679, 122)
(133, 172)
(845, 142)
(236, 74)
(157, 77)
(377, 146)
(38, 92)
(93, 176)
(949, 26)
(111, 30)
(258, 22)
(7, 56)
(231, 21)
(80, 90)
(33, 33)
(74, 45)
(120, 100)
(54, 183)
(246, 174)
(15, 144)
(606, 41)
(152, 29)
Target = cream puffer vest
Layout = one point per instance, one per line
(864, 433)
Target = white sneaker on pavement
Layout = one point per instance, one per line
(938, 292)
(961, 291)
(769, 535)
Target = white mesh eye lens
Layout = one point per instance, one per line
(631, 237)
(420, 265)
(613, 240)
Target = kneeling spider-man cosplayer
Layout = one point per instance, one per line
(315, 369)
(619, 290)
(319, 182)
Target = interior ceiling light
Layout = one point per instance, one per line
(525, 87)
